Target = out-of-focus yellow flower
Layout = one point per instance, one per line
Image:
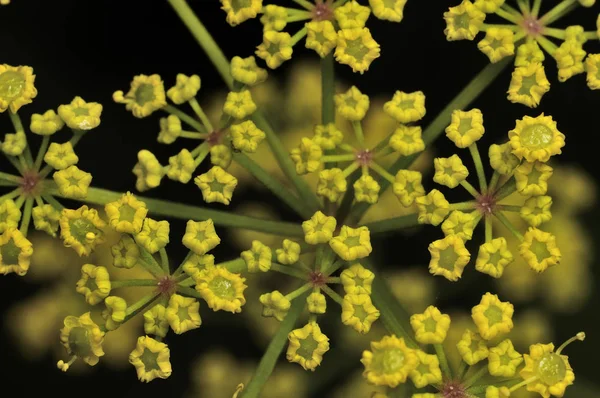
(240, 12)
(81, 229)
(493, 256)
(321, 37)
(46, 124)
(275, 304)
(431, 326)
(258, 257)
(463, 22)
(221, 289)
(275, 49)
(127, 214)
(200, 236)
(185, 88)
(532, 178)
(154, 235)
(359, 312)
(352, 243)
(151, 359)
(148, 171)
(307, 346)
(216, 185)
(94, 283)
(15, 252)
(492, 316)
(182, 313)
(497, 43)
(472, 348)
(145, 96)
(433, 207)
(389, 362)
(16, 87)
(466, 127)
(356, 48)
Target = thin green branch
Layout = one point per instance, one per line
(393, 224)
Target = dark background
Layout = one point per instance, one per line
(92, 48)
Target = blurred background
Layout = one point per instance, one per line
(93, 48)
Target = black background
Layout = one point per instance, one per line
(92, 48)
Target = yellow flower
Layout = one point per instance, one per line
(238, 12)
(536, 210)
(463, 21)
(539, 249)
(127, 214)
(504, 359)
(275, 304)
(245, 70)
(81, 229)
(115, 312)
(82, 338)
(289, 253)
(407, 140)
(449, 171)
(45, 218)
(246, 136)
(275, 49)
(352, 243)
(327, 136)
(389, 362)
(592, 66)
(216, 185)
(357, 280)
(61, 156)
(185, 88)
(493, 256)
(352, 105)
(181, 166)
(155, 321)
(502, 159)
(366, 189)
(569, 59)
(16, 87)
(352, 15)
(488, 6)
(359, 312)
(220, 155)
(449, 257)
(258, 257)
(94, 283)
(239, 104)
(529, 52)
(319, 228)
(497, 44)
(15, 252)
(431, 326)
(14, 144)
(148, 171)
(528, 85)
(170, 129)
(356, 48)
(466, 127)
(433, 207)
(316, 303)
(46, 124)
(146, 95)
(200, 236)
(154, 235)
(10, 215)
(81, 115)
(536, 138)
(497, 392)
(125, 252)
(388, 10)
(408, 187)
(406, 107)
(72, 182)
(332, 184)
(587, 3)
(195, 264)
(460, 224)
(182, 314)
(274, 18)
(151, 359)
(472, 348)
(492, 316)
(221, 289)
(307, 156)
(427, 371)
(532, 178)
(307, 346)
(321, 37)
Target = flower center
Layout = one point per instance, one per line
(364, 157)
(357, 49)
(551, 369)
(144, 93)
(166, 285)
(532, 26)
(316, 278)
(307, 347)
(536, 136)
(486, 204)
(222, 288)
(29, 183)
(214, 138)
(322, 11)
(494, 315)
(453, 389)
(79, 343)
(9, 253)
(11, 85)
(150, 360)
(388, 361)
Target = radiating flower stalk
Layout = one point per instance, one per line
(333, 237)
(527, 34)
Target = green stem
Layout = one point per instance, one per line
(150, 264)
(393, 224)
(304, 3)
(524, 6)
(513, 208)
(331, 293)
(53, 202)
(18, 125)
(140, 305)
(358, 132)
(185, 118)
(13, 160)
(182, 211)
(200, 113)
(298, 292)
(11, 195)
(41, 152)
(463, 369)
(557, 12)
(278, 189)
(269, 359)
(298, 36)
(343, 157)
(439, 350)
(164, 261)
(535, 10)
(488, 229)
(327, 89)
(132, 282)
(470, 188)
(471, 380)
(507, 15)
(189, 292)
(464, 205)
(435, 128)
(10, 177)
(494, 182)
(289, 271)
(509, 225)
(507, 189)
(26, 216)
(478, 167)
(554, 32)
(236, 266)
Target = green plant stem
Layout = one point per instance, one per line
(535, 9)
(179, 210)
(236, 266)
(188, 291)
(221, 63)
(439, 350)
(469, 188)
(393, 224)
(10, 177)
(13, 160)
(26, 216)
(480, 373)
(327, 89)
(18, 125)
(11, 195)
(184, 117)
(269, 358)
(488, 229)
(140, 305)
(132, 282)
(279, 190)
(468, 94)
(200, 113)
(478, 167)
(560, 10)
(53, 202)
(331, 293)
(164, 261)
(508, 225)
(150, 264)
(41, 152)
